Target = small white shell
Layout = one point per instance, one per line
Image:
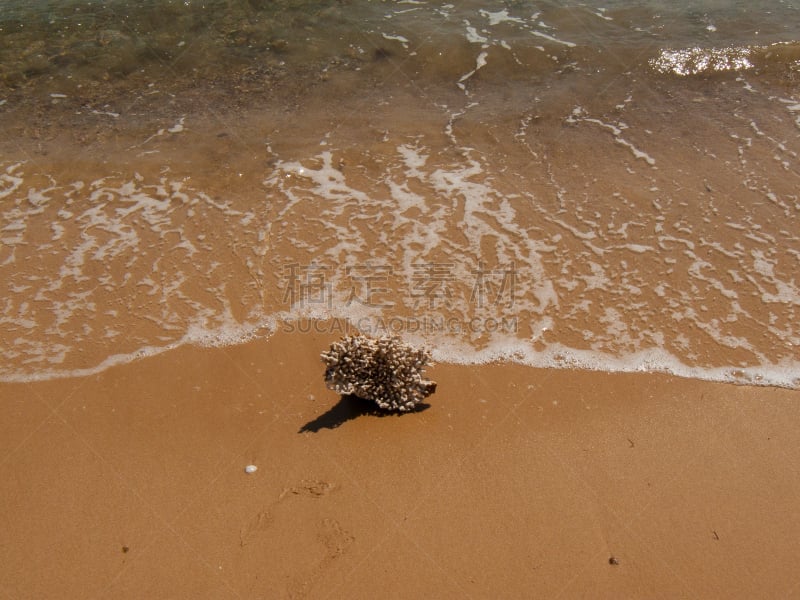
(250, 469)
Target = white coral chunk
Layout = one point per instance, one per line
(384, 370)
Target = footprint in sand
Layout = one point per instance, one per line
(336, 541)
(328, 532)
(265, 518)
(315, 489)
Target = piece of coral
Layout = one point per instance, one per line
(384, 370)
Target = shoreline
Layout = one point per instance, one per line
(583, 213)
(555, 357)
(514, 479)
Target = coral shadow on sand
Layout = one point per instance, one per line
(348, 408)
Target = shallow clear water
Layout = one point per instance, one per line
(607, 185)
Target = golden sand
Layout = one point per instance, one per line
(514, 483)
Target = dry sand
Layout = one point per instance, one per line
(514, 483)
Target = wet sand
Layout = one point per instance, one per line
(157, 186)
(515, 482)
(610, 256)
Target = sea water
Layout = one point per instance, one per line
(605, 185)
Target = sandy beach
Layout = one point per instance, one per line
(527, 189)
(515, 482)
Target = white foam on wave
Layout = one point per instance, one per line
(554, 39)
(451, 350)
(113, 243)
(177, 127)
(480, 62)
(601, 12)
(501, 16)
(473, 36)
(415, 237)
(485, 213)
(557, 356)
(229, 334)
(793, 106)
(578, 115)
(443, 215)
(396, 38)
(445, 349)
